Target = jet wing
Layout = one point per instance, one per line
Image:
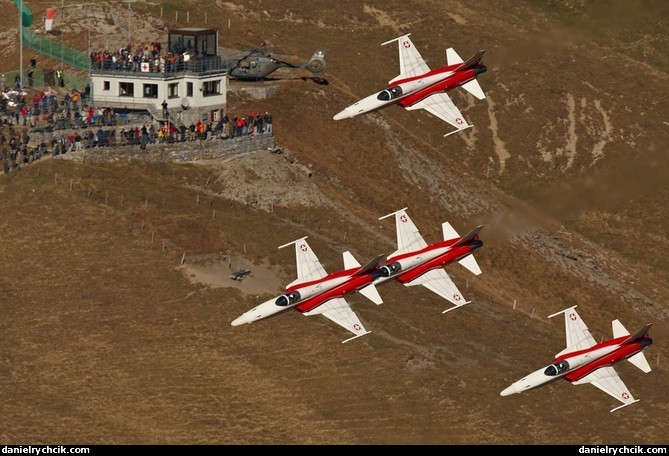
(308, 266)
(577, 333)
(411, 62)
(440, 105)
(408, 236)
(607, 380)
(437, 280)
(339, 311)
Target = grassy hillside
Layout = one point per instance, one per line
(107, 339)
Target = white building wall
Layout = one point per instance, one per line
(198, 102)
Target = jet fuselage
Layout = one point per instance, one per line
(308, 295)
(576, 365)
(409, 266)
(409, 91)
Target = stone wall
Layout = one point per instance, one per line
(208, 149)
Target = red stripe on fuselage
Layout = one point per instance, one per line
(448, 69)
(444, 85)
(356, 283)
(606, 343)
(445, 258)
(334, 275)
(625, 351)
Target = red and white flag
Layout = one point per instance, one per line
(48, 19)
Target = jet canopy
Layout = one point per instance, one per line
(557, 368)
(288, 299)
(389, 94)
(390, 269)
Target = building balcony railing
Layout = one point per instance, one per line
(198, 67)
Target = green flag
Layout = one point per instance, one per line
(26, 18)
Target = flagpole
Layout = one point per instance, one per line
(21, 44)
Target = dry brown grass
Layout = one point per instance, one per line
(104, 339)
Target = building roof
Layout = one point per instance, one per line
(193, 30)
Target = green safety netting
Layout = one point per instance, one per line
(46, 46)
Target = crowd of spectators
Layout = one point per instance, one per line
(70, 124)
(44, 111)
(145, 58)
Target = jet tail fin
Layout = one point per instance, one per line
(469, 236)
(452, 57)
(639, 360)
(350, 262)
(471, 62)
(469, 262)
(472, 86)
(370, 292)
(637, 335)
(449, 231)
(618, 329)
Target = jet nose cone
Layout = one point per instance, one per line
(341, 115)
(509, 391)
(240, 321)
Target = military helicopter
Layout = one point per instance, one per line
(257, 65)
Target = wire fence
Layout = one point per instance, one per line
(73, 57)
(44, 78)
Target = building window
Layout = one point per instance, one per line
(189, 89)
(173, 90)
(150, 90)
(106, 85)
(126, 89)
(211, 88)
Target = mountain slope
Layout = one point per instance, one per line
(106, 340)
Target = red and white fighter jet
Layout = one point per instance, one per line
(417, 263)
(586, 361)
(419, 87)
(315, 292)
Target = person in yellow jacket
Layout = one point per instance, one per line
(60, 78)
